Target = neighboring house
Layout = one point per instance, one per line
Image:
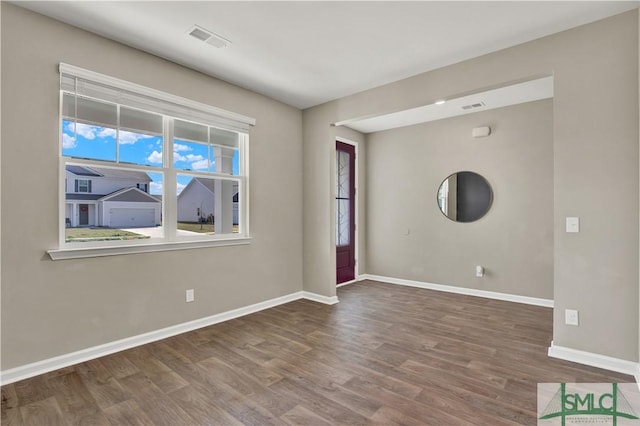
(197, 201)
(97, 196)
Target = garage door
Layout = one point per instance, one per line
(131, 218)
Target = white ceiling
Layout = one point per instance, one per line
(306, 53)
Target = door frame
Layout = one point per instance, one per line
(356, 232)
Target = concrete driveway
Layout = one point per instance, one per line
(157, 231)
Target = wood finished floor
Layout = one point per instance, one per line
(384, 355)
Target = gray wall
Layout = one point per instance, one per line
(319, 200)
(595, 133)
(52, 308)
(514, 241)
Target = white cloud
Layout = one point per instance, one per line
(86, 131)
(200, 164)
(91, 132)
(155, 188)
(105, 132)
(129, 138)
(191, 157)
(155, 157)
(196, 161)
(179, 147)
(68, 142)
(179, 187)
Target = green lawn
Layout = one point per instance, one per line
(205, 228)
(99, 234)
(109, 234)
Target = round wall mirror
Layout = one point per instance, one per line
(464, 197)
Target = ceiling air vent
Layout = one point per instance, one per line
(475, 105)
(208, 37)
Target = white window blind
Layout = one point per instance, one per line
(82, 88)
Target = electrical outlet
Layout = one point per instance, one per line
(570, 317)
(190, 296)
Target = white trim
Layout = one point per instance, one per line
(463, 290)
(637, 375)
(356, 183)
(327, 300)
(93, 76)
(100, 251)
(55, 363)
(358, 279)
(123, 190)
(347, 283)
(595, 360)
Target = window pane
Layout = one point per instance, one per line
(140, 148)
(342, 222)
(224, 138)
(107, 204)
(156, 185)
(342, 174)
(89, 111)
(191, 156)
(87, 141)
(193, 132)
(140, 121)
(207, 206)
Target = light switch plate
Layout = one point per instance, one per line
(570, 317)
(573, 224)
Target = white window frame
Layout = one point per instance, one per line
(86, 184)
(171, 107)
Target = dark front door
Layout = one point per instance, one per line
(345, 212)
(84, 215)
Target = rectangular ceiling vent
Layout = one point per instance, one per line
(208, 37)
(475, 105)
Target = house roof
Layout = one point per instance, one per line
(138, 176)
(130, 195)
(81, 171)
(210, 184)
(83, 197)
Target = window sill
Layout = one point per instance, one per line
(79, 253)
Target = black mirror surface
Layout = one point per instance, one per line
(465, 197)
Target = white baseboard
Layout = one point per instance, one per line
(51, 364)
(463, 290)
(319, 298)
(596, 360)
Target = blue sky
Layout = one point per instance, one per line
(99, 143)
